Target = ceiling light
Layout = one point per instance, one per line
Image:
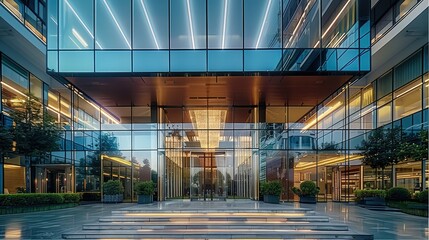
(208, 124)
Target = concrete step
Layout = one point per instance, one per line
(217, 225)
(213, 210)
(217, 234)
(200, 218)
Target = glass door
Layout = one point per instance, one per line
(208, 176)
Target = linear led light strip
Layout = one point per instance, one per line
(323, 115)
(190, 23)
(117, 24)
(79, 38)
(81, 22)
(263, 23)
(409, 90)
(71, 39)
(150, 24)
(13, 89)
(224, 23)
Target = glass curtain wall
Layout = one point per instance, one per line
(209, 152)
(191, 36)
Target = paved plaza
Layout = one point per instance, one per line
(52, 224)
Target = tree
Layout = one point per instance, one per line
(6, 142)
(35, 133)
(381, 149)
(107, 145)
(415, 146)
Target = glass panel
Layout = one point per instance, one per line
(225, 60)
(340, 27)
(52, 65)
(151, 61)
(367, 95)
(188, 24)
(52, 25)
(408, 100)
(150, 24)
(116, 118)
(348, 59)
(76, 61)
(107, 61)
(384, 115)
(426, 90)
(36, 87)
(188, 61)
(225, 24)
(301, 20)
(76, 24)
(144, 140)
(408, 70)
(384, 85)
(262, 24)
(262, 60)
(113, 24)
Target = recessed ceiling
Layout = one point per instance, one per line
(200, 91)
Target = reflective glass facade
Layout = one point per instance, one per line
(214, 150)
(219, 36)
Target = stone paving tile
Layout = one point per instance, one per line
(51, 224)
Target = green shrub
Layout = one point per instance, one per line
(71, 197)
(144, 188)
(91, 196)
(271, 188)
(422, 196)
(306, 189)
(361, 194)
(31, 199)
(113, 187)
(398, 194)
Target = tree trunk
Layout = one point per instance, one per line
(382, 178)
(376, 178)
(27, 174)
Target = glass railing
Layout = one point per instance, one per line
(392, 17)
(27, 17)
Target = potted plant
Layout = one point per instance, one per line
(113, 191)
(307, 192)
(271, 191)
(145, 191)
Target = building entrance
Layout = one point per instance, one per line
(208, 176)
(208, 154)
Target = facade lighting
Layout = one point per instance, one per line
(190, 23)
(224, 23)
(263, 23)
(116, 22)
(150, 24)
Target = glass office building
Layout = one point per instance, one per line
(209, 98)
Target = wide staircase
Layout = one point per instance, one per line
(216, 222)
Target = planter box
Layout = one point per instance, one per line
(271, 199)
(113, 198)
(307, 199)
(144, 199)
